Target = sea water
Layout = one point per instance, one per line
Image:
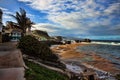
(110, 51)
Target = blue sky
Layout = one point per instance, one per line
(73, 18)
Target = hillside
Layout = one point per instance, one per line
(37, 72)
(40, 35)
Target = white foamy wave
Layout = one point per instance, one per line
(107, 43)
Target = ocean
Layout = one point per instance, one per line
(108, 50)
(109, 42)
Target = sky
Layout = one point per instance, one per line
(95, 19)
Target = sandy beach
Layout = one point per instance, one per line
(69, 53)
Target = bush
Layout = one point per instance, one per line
(5, 38)
(31, 46)
(86, 40)
(117, 76)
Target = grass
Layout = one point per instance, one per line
(37, 72)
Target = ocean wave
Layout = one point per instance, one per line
(110, 52)
(107, 43)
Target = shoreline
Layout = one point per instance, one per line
(68, 54)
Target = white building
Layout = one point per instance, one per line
(15, 34)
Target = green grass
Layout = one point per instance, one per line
(37, 72)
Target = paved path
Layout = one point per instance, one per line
(11, 62)
(12, 74)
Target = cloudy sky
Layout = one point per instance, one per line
(95, 19)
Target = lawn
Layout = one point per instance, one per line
(36, 72)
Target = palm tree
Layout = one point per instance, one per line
(29, 24)
(22, 20)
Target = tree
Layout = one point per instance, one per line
(29, 24)
(22, 20)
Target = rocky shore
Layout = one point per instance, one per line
(87, 63)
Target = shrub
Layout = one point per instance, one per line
(117, 76)
(86, 40)
(5, 38)
(28, 45)
(31, 46)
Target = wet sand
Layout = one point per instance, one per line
(68, 52)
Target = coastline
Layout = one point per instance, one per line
(68, 54)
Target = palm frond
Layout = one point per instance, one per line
(23, 21)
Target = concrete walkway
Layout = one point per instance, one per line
(11, 62)
(12, 74)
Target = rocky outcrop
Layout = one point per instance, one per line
(40, 35)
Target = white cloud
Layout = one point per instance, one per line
(59, 13)
(112, 8)
(55, 30)
(68, 20)
(4, 9)
(30, 15)
(45, 27)
(5, 16)
(25, 0)
(39, 4)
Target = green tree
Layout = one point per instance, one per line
(22, 20)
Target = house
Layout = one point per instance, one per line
(1, 25)
(15, 35)
(13, 31)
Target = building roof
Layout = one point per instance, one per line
(16, 30)
(13, 30)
